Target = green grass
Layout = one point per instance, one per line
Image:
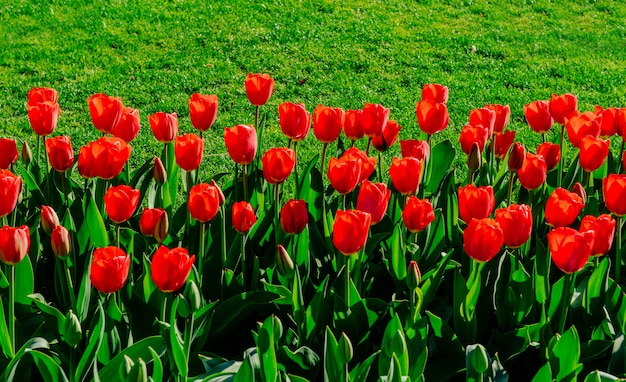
(156, 54)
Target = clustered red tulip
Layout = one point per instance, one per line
(344, 174)
(129, 125)
(49, 219)
(188, 151)
(415, 148)
(294, 217)
(327, 123)
(170, 268)
(278, 163)
(563, 207)
(609, 116)
(503, 142)
(502, 116)
(350, 231)
(551, 153)
(484, 117)
(593, 152)
(14, 244)
(516, 222)
(366, 164)
(603, 228)
(243, 216)
(164, 126)
(417, 214)
(204, 201)
(563, 107)
(8, 152)
(570, 249)
(482, 239)
(580, 126)
(259, 88)
(352, 125)
(374, 119)
(614, 192)
(109, 269)
(432, 117)
(60, 153)
(295, 121)
(388, 137)
(120, 202)
(10, 188)
(203, 110)
(104, 158)
(374, 199)
(538, 116)
(241, 143)
(533, 172)
(405, 174)
(105, 111)
(471, 134)
(475, 202)
(154, 222)
(435, 93)
(43, 110)
(517, 155)
(61, 242)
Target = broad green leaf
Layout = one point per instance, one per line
(5, 339)
(398, 260)
(177, 344)
(594, 294)
(362, 370)
(84, 293)
(266, 350)
(30, 345)
(565, 355)
(24, 281)
(448, 353)
(334, 370)
(544, 374)
(96, 336)
(443, 155)
(49, 310)
(600, 376)
(432, 279)
(147, 348)
(49, 369)
(97, 230)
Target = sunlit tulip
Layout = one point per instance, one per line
(475, 202)
(435, 93)
(278, 163)
(551, 153)
(10, 188)
(570, 249)
(374, 199)
(43, 117)
(471, 134)
(170, 268)
(417, 214)
(367, 164)
(327, 123)
(243, 216)
(109, 269)
(415, 148)
(188, 151)
(295, 120)
(105, 111)
(164, 126)
(503, 115)
(14, 244)
(203, 110)
(563, 107)
(482, 239)
(60, 153)
(352, 125)
(405, 174)
(37, 95)
(563, 207)
(61, 242)
(204, 201)
(350, 231)
(241, 143)
(388, 137)
(533, 172)
(374, 118)
(344, 174)
(593, 152)
(432, 117)
(614, 192)
(538, 116)
(516, 222)
(129, 125)
(582, 125)
(503, 141)
(8, 152)
(259, 88)
(104, 158)
(603, 227)
(294, 216)
(484, 117)
(120, 202)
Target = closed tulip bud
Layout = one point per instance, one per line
(475, 158)
(220, 194)
(27, 153)
(61, 242)
(154, 222)
(284, 262)
(72, 331)
(294, 217)
(193, 295)
(49, 219)
(579, 190)
(413, 276)
(14, 244)
(516, 157)
(158, 171)
(8, 152)
(184, 307)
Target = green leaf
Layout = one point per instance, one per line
(477, 362)
(24, 281)
(84, 293)
(565, 354)
(30, 345)
(148, 348)
(594, 294)
(600, 376)
(362, 370)
(177, 343)
(432, 279)
(334, 370)
(49, 369)
(265, 348)
(544, 374)
(49, 310)
(97, 230)
(393, 342)
(445, 153)
(95, 340)
(448, 354)
(398, 260)
(5, 339)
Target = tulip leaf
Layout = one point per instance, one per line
(96, 335)
(84, 293)
(442, 156)
(5, 339)
(30, 345)
(417, 343)
(544, 374)
(564, 356)
(432, 279)
(600, 376)
(394, 344)
(541, 271)
(147, 348)
(362, 370)
(594, 293)
(4, 282)
(305, 185)
(49, 311)
(24, 281)
(448, 353)
(49, 369)
(177, 344)
(266, 350)
(31, 183)
(97, 230)
(477, 362)
(333, 369)
(398, 259)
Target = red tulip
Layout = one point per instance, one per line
(204, 201)
(327, 123)
(374, 118)
(14, 244)
(614, 191)
(259, 88)
(61, 242)
(503, 141)
(109, 269)
(593, 152)
(352, 125)
(129, 125)
(344, 174)
(563, 207)
(105, 111)
(10, 188)
(159, 174)
(569, 248)
(417, 214)
(294, 216)
(278, 163)
(533, 172)
(471, 134)
(203, 110)
(624, 160)
(120, 202)
(388, 137)
(295, 121)
(153, 222)
(435, 93)
(608, 125)
(563, 107)
(415, 148)
(164, 126)
(170, 268)
(579, 190)
(620, 121)
(37, 95)
(188, 150)
(482, 239)
(350, 231)
(405, 174)
(516, 222)
(374, 199)
(516, 157)
(43, 117)
(503, 115)
(49, 219)
(241, 143)
(603, 228)
(104, 158)
(366, 164)
(8, 152)
(243, 216)
(551, 153)
(475, 202)
(483, 117)
(582, 125)
(60, 153)
(538, 116)
(432, 117)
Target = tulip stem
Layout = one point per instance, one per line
(295, 151)
(70, 286)
(223, 233)
(510, 191)
(619, 159)
(618, 250)
(566, 297)
(561, 162)
(244, 268)
(348, 281)
(324, 221)
(64, 186)
(380, 167)
(11, 271)
(245, 182)
(201, 257)
(38, 149)
(117, 235)
(369, 143)
(256, 126)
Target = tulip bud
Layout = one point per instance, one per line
(345, 350)
(219, 191)
(475, 158)
(193, 296)
(184, 307)
(158, 171)
(414, 276)
(285, 264)
(517, 153)
(579, 190)
(27, 154)
(49, 219)
(61, 242)
(161, 228)
(72, 332)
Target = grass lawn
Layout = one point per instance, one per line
(156, 54)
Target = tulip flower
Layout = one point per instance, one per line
(432, 117)
(516, 157)
(327, 123)
(129, 125)
(563, 207)
(538, 116)
(593, 152)
(37, 95)
(283, 261)
(366, 163)
(471, 134)
(158, 171)
(551, 153)
(8, 152)
(164, 126)
(374, 199)
(294, 217)
(533, 172)
(241, 143)
(374, 118)
(350, 231)
(614, 192)
(104, 158)
(49, 219)
(109, 269)
(43, 117)
(259, 88)
(579, 190)
(516, 222)
(388, 137)
(170, 268)
(405, 174)
(188, 150)
(503, 115)
(603, 227)
(570, 249)
(352, 125)
(609, 116)
(204, 202)
(344, 174)
(278, 163)
(120, 202)
(503, 142)
(243, 216)
(475, 202)
(203, 110)
(61, 242)
(413, 275)
(153, 222)
(582, 125)
(563, 107)
(60, 153)
(482, 239)
(10, 188)
(620, 121)
(415, 148)
(417, 214)
(295, 121)
(435, 93)
(105, 111)
(484, 117)
(14, 244)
